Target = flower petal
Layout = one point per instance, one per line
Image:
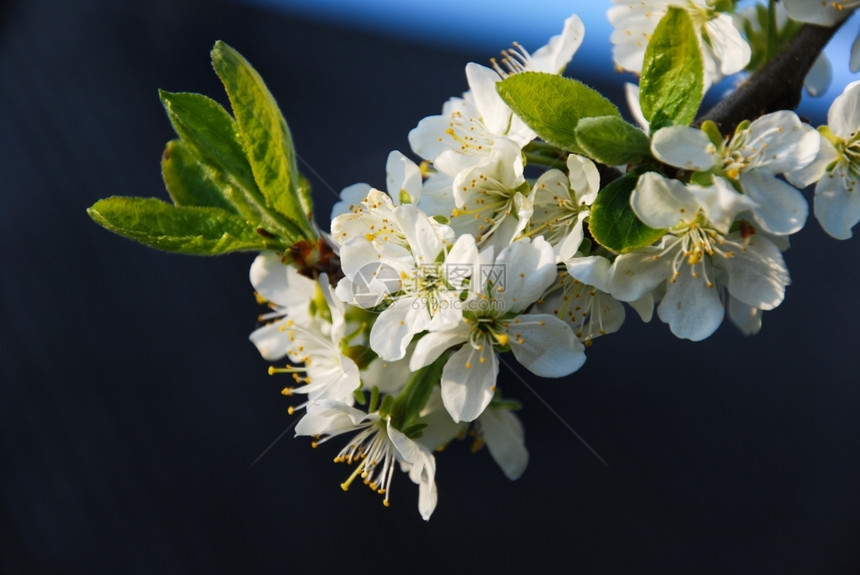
(663, 203)
(557, 53)
(529, 269)
(545, 345)
(727, 44)
(271, 341)
(421, 465)
(815, 12)
(505, 439)
(590, 270)
(440, 429)
(493, 110)
(431, 345)
(721, 203)
(335, 378)
(568, 247)
(462, 262)
(854, 63)
(279, 283)
(330, 417)
(469, 381)
(746, 317)
(819, 77)
(684, 147)
(757, 274)
(782, 209)
(437, 195)
(634, 275)
(393, 329)
(402, 176)
(837, 202)
(374, 259)
(350, 197)
(631, 94)
(421, 233)
(426, 139)
(644, 306)
(827, 154)
(584, 179)
(691, 308)
(780, 142)
(844, 114)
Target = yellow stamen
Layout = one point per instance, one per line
(345, 485)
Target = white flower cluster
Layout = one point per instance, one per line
(466, 257)
(724, 50)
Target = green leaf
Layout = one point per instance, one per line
(210, 134)
(184, 229)
(188, 181)
(412, 399)
(267, 140)
(552, 105)
(672, 82)
(612, 141)
(612, 222)
(305, 197)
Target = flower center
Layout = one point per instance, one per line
(430, 285)
(694, 242)
(740, 154)
(554, 220)
(513, 61)
(373, 452)
(487, 329)
(490, 202)
(468, 133)
(580, 307)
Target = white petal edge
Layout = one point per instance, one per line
(837, 209)
(545, 345)
(684, 147)
(505, 439)
(782, 208)
(468, 383)
(691, 308)
(661, 202)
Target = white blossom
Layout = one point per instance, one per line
(372, 218)
(724, 50)
(698, 257)
(472, 127)
(837, 167)
(580, 298)
(561, 203)
(493, 201)
(406, 185)
(773, 144)
(497, 427)
(420, 292)
(374, 450)
(314, 340)
(541, 342)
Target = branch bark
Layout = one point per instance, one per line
(777, 85)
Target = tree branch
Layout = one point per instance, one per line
(775, 86)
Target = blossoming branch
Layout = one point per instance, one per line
(534, 214)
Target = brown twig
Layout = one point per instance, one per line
(775, 86)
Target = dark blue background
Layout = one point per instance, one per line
(132, 404)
